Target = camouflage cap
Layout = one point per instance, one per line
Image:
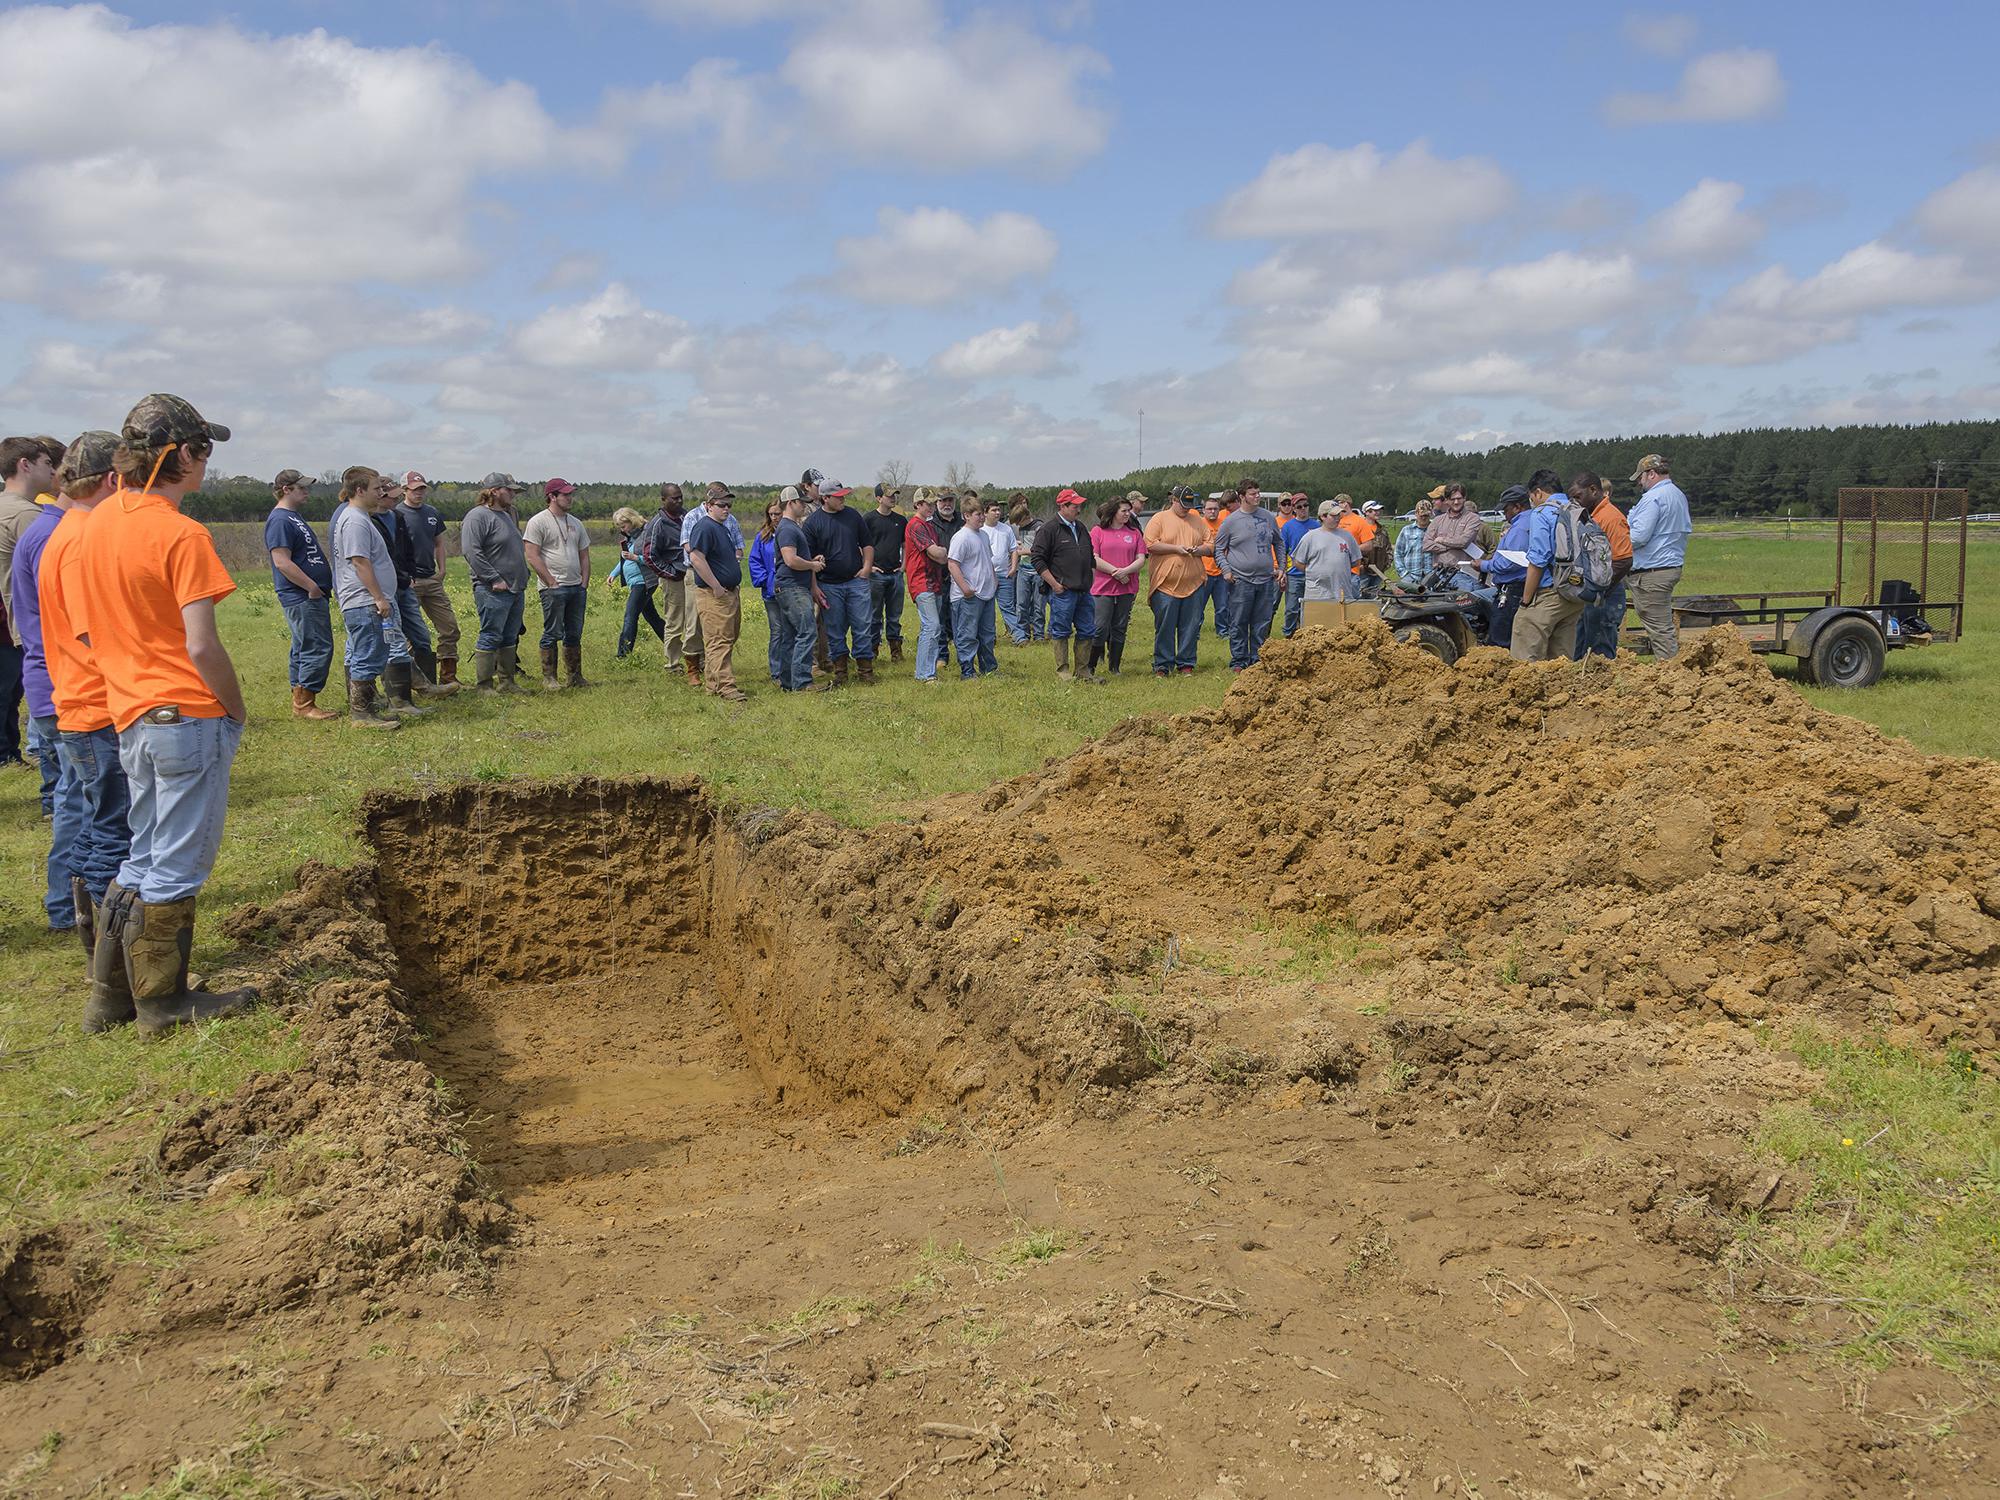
(1652, 463)
(88, 457)
(159, 420)
(500, 480)
(1136, 500)
(717, 490)
(284, 479)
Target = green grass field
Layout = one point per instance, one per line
(73, 1106)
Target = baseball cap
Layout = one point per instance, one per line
(499, 479)
(1180, 492)
(812, 476)
(1652, 463)
(1134, 499)
(283, 480)
(1069, 497)
(159, 420)
(1436, 494)
(833, 487)
(717, 490)
(558, 487)
(1328, 508)
(89, 456)
(1514, 494)
(788, 494)
(411, 476)
(1372, 505)
(923, 496)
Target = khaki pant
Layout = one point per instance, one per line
(674, 610)
(691, 593)
(721, 618)
(437, 604)
(1652, 595)
(1546, 629)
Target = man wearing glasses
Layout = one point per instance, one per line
(426, 528)
(717, 576)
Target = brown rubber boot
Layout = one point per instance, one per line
(483, 665)
(1087, 657)
(306, 706)
(693, 663)
(448, 672)
(507, 666)
(158, 939)
(895, 651)
(840, 673)
(573, 665)
(398, 681)
(361, 711)
(1062, 658)
(550, 681)
(110, 1002)
(865, 671)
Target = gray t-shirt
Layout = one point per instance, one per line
(1329, 559)
(490, 543)
(354, 534)
(1244, 545)
(563, 542)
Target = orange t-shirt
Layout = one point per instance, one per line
(74, 681)
(1208, 563)
(1171, 574)
(142, 563)
(1611, 520)
(1361, 529)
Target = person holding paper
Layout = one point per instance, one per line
(1507, 567)
(1448, 541)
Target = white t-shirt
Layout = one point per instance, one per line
(563, 542)
(1329, 559)
(1001, 538)
(969, 549)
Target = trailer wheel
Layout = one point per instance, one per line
(1846, 654)
(1429, 638)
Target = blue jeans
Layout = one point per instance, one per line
(1025, 624)
(972, 634)
(410, 615)
(66, 814)
(794, 627)
(367, 648)
(1295, 601)
(1597, 629)
(885, 606)
(104, 837)
(499, 616)
(1500, 624)
(772, 659)
(42, 745)
(179, 776)
(1216, 590)
(930, 637)
(562, 615)
(1474, 584)
(847, 608)
(312, 643)
(639, 606)
(1176, 630)
(1250, 607)
(1072, 609)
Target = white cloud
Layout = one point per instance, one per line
(1774, 315)
(1717, 87)
(1668, 35)
(280, 162)
(1033, 348)
(1708, 223)
(1965, 214)
(752, 136)
(1318, 190)
(612, 331)
(934, 257)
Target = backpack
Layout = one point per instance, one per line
(1581, 569)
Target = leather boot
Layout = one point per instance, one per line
(158, 939)
(840, 673)
(448, 672)
(398, 679)
(895, 651)
(110, 1002)
(865, 671)
(483, 665)
(507, 664)
(361, 710)
(86, 915)
(1062, 658)
(306, 706)
(573, 665)
(693, 661)
(425, 680)
(550, 681)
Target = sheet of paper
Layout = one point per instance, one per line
(1474, 551)
(1518, 559)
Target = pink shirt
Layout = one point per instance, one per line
(1121, 549)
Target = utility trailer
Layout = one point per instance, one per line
(1892, 548)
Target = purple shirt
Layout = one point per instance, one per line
(35, 685)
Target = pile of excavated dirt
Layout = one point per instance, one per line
(1690, 840)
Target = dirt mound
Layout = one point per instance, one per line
(1686, 839)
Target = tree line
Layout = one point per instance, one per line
(1766, 471)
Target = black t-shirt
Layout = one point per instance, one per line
(425, 526)
(947, 527)
(886, 533)
(838, 536)
(402, 549)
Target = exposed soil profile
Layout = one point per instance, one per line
(1342, 1091)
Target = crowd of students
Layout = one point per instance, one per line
(135, 712)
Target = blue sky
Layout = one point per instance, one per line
(630, 239)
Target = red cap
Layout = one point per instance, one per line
(558, 487)
(1069, 497)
